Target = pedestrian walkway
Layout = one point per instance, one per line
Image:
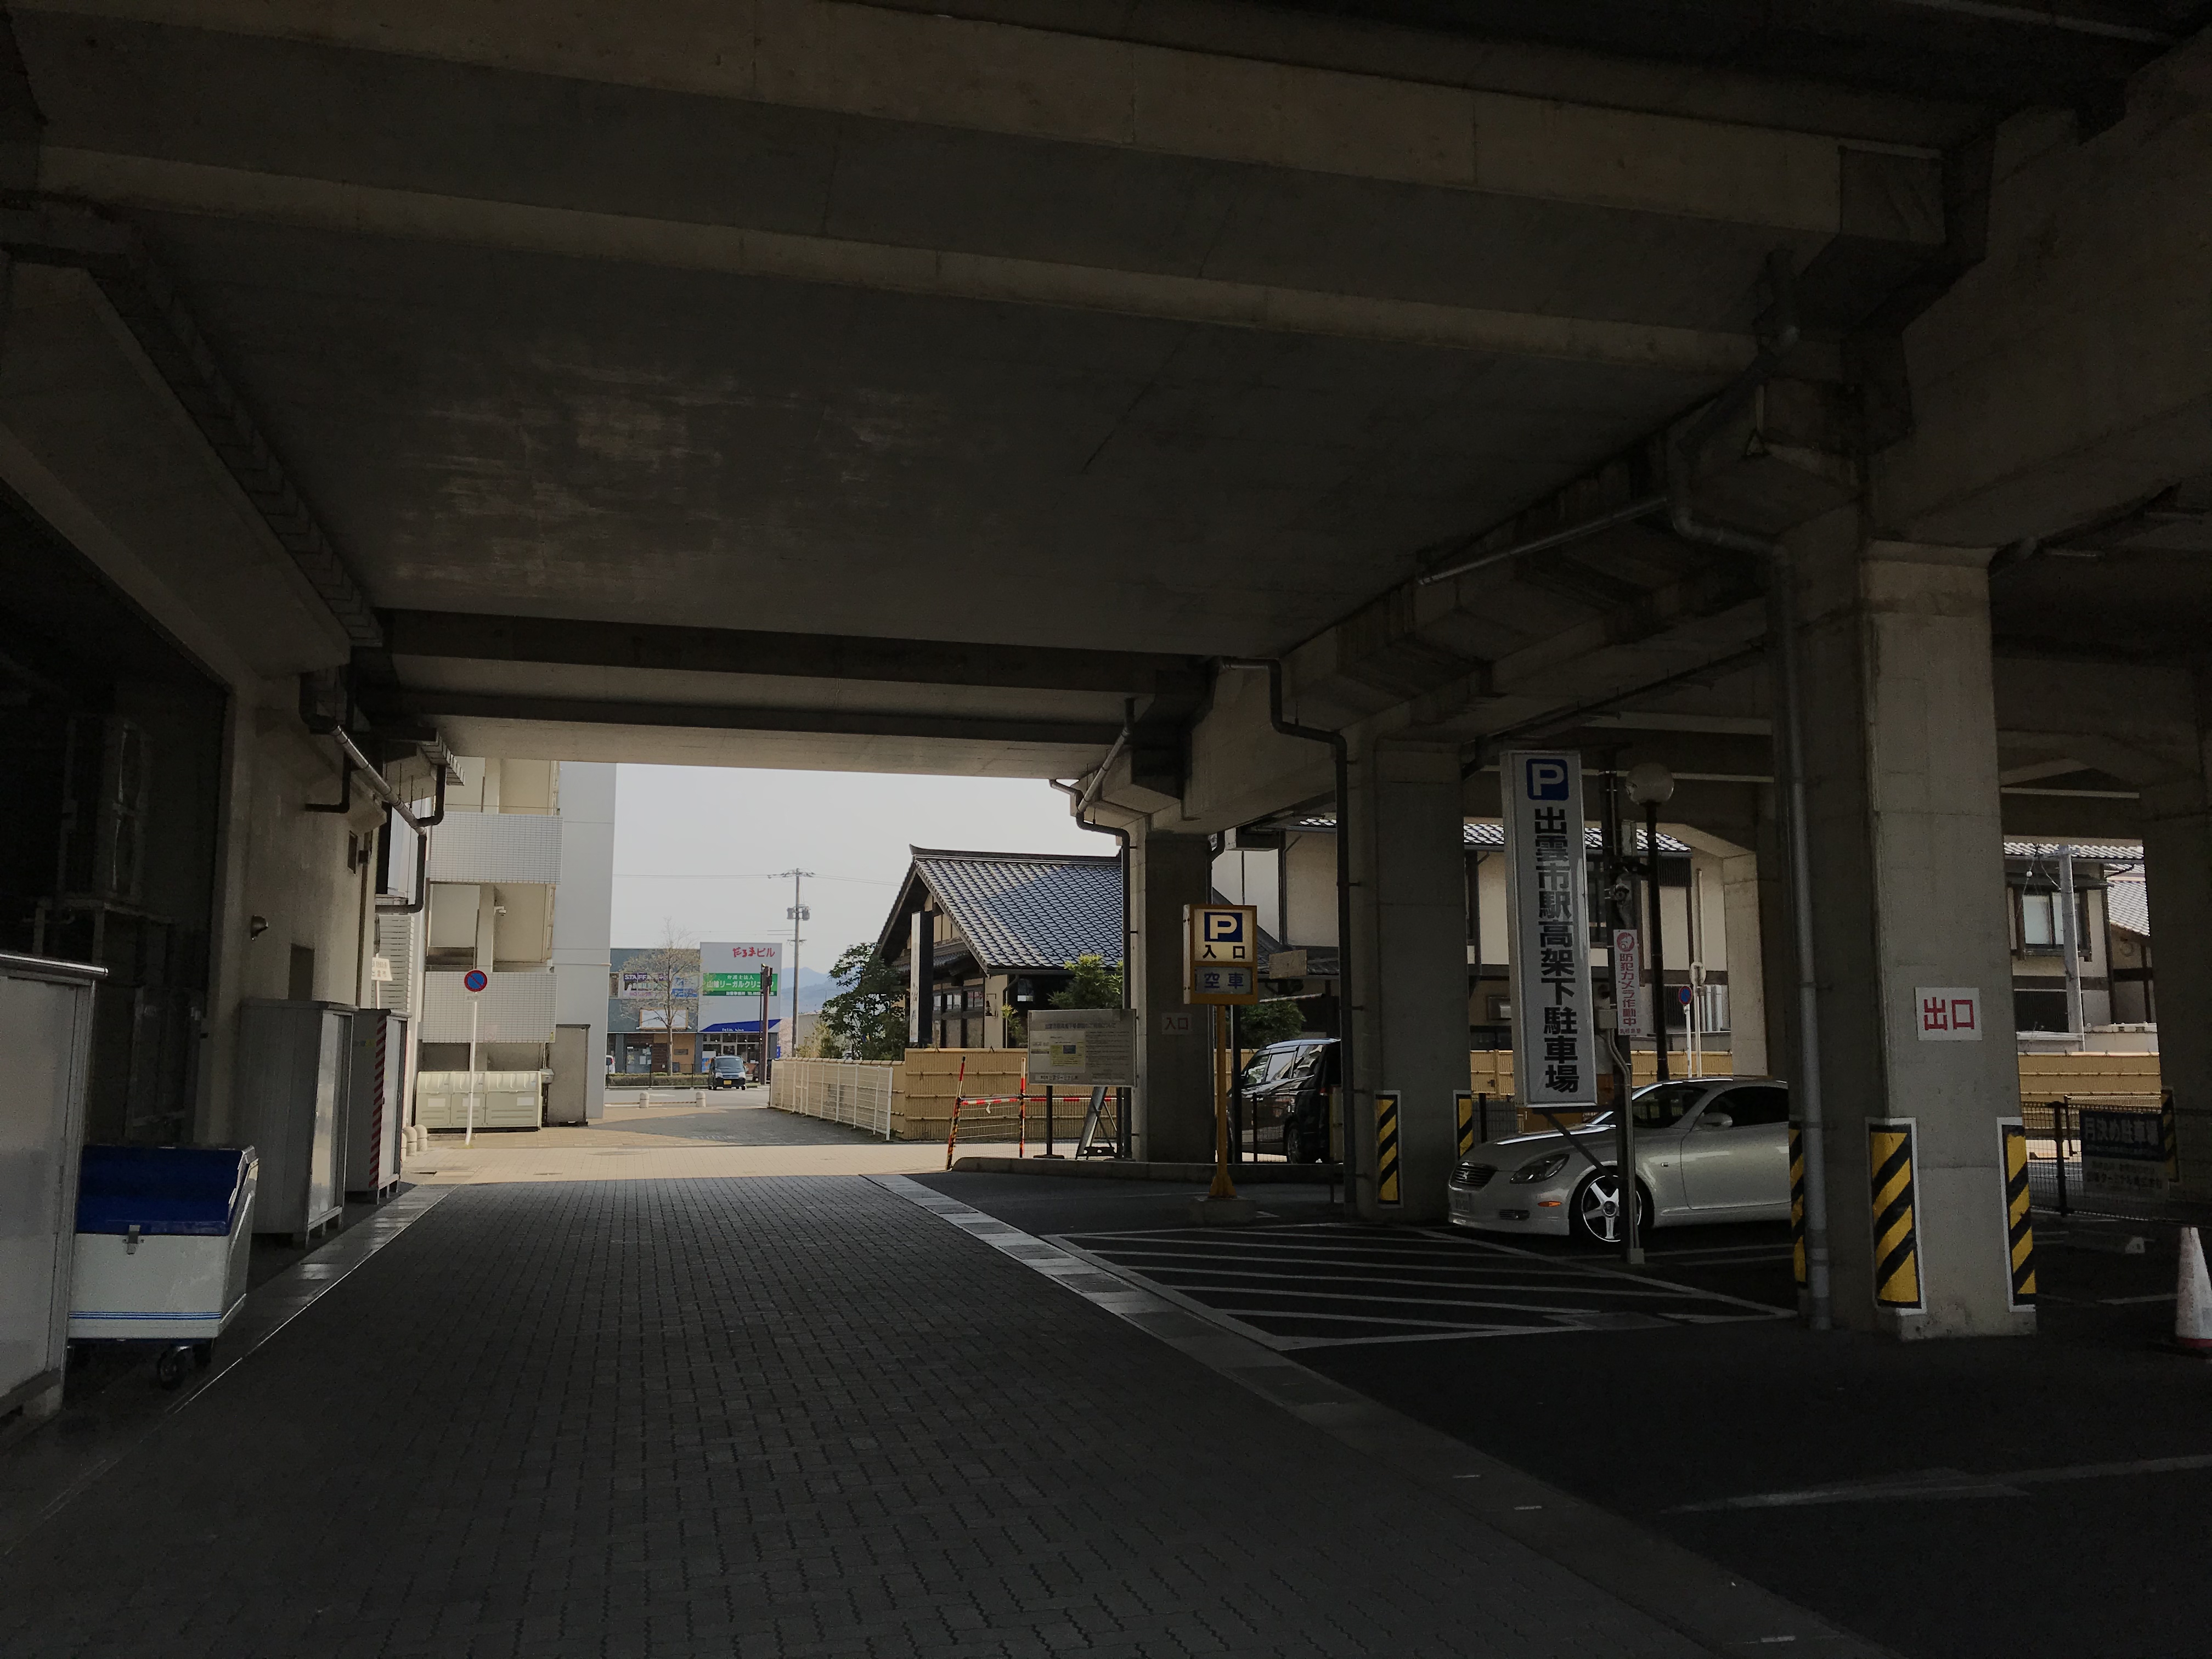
(770, 1418)
(730, 1134)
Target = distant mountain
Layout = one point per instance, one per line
(814, 990)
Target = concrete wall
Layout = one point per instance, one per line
(583, 913)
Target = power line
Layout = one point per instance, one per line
(720, 875)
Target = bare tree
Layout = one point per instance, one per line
(665, 980)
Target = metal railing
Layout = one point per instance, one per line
(854, 1091)
(2139, 1185)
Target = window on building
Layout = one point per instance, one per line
(2043, 921)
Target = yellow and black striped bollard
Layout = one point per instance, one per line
(1386, 1183)
(1896, 1242)
(2020, 1229)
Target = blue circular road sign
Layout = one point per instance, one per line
(476, 979)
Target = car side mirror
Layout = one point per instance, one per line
(1716, 1120)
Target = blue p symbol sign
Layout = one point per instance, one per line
(1547, 780)
(1224, 925)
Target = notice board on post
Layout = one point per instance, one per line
(1083, 1047)
(1546, 873)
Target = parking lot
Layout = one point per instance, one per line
(1320, 1284)
(2036, 1496)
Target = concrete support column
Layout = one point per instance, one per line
(2178, 871)
(1747, 988)
(1173, 1118)
(1407, 988)
(1908, 883)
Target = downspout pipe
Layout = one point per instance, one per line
(1080, 801)
(1682, 452)
(1340, 753)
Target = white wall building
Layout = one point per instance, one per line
(521, 881)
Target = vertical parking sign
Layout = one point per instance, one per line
(1554, 1051)
(1221, 953)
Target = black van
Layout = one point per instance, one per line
(1286, 1093)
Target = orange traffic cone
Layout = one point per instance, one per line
(2192, 1304)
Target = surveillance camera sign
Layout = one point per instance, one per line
(1554, 1047)
(1221, 953)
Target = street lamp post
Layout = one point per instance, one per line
(1651, 786)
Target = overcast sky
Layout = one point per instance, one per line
(692, 844)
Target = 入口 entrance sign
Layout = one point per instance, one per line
(1083, 1047)
(1546, 872)
(1221, 953)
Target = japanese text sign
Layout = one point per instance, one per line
(1221, 953)
(1948, 1013)
(1547, 863)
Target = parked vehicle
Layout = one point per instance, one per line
(1287, 1091)
(731, 1071)
(1707, 1149)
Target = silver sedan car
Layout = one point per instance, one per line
(1707, 1149)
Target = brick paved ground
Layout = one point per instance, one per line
(768, 1418)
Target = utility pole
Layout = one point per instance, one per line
(796, 914)
(2064, 933)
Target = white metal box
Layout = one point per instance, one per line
(45, 1027)
(503, 1100)
(292, 1065)
(376, 1101)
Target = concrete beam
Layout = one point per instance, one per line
(162, 186)
(442, 706)
(468, 636)
(1042, 83)
(791, 752)
(68, 234)
(2072, 371)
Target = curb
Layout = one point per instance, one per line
(1116, 1168)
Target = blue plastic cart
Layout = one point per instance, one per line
(163, 1239)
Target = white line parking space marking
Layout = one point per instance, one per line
(1715, 1607)
(1327, 1285)
(1945, 1483)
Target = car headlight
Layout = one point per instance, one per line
(1542, 1169)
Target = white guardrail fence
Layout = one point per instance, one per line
(854, 1091)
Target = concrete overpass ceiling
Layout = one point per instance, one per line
(593, 426)
(1120, 341)
(2135, 586)
(1999, 55)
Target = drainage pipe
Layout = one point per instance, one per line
(1341, 754)
(1681, 458)
(1641, 507)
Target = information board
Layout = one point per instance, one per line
(1083, 1047)
(2124, 1154)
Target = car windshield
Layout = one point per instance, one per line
(1665, 1105)
(1269, 1064)
(1658, 1106)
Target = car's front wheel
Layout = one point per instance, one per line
(1594, 1214)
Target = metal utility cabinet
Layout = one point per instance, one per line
(45, 1032)
(376, 1103)
(293, 1062)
